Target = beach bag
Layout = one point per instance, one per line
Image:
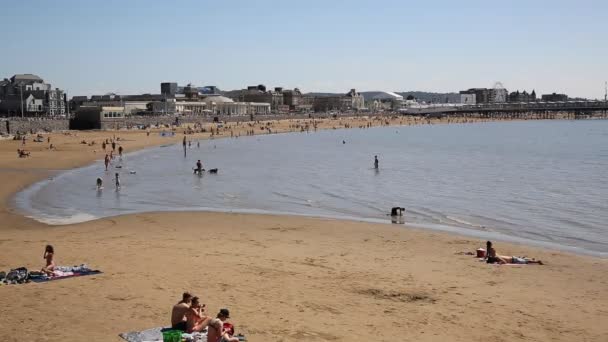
(17, 276)
(229, 328)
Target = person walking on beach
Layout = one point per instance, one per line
(107, 161)
(103, 145)
(184, 144)
(178, 313)
(117, 179)
(376, 162)
(120, 151)
(113, 145)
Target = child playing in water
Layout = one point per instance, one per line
(49, 253)
(117, 181)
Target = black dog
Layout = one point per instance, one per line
(397, 211)
(213, 171)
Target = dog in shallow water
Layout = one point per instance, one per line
(397, 211)
(213, 171)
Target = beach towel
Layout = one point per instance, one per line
(156, 335)
(498, 264)
(63, 275)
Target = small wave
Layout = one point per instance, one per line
(466, 223)
(71, 219)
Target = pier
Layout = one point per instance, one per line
(523, 110)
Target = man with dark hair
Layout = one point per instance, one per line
(178, 313)
(216, 331)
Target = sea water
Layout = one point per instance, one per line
(533, 181)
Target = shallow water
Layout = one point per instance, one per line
(542, 181)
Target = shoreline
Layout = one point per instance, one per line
(326, 124)
(287, 278)
(436, 227)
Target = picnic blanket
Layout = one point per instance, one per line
(156, 335)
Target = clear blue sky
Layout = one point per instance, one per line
(130, 46)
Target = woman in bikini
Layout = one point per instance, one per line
(49, 253)
(493, 258)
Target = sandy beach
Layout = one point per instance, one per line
(283, 278)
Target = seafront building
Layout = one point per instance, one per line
(386, 101)
(524, 96)
(282, 101)
(554, 97)
(98, 117)
(220, 105)
(187, 100)
(346, 102)
(261, 95)
(484, 95)
(28, 95)
(133, 104)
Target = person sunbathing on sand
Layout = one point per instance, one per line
(196, 320)
(178, 313)
(49, 253)
(492, 257)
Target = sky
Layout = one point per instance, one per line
(129, 46)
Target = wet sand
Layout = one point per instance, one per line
(284, 278)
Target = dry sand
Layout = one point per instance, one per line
(284, 278)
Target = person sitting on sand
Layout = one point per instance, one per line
(22, 153)
(49, 253)
(178, 313)
(492, 257)
(216, 332)
(196, 320)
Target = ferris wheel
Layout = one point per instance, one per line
(498, 85)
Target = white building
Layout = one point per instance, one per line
(220, 105)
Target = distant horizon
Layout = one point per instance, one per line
(94, 48)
